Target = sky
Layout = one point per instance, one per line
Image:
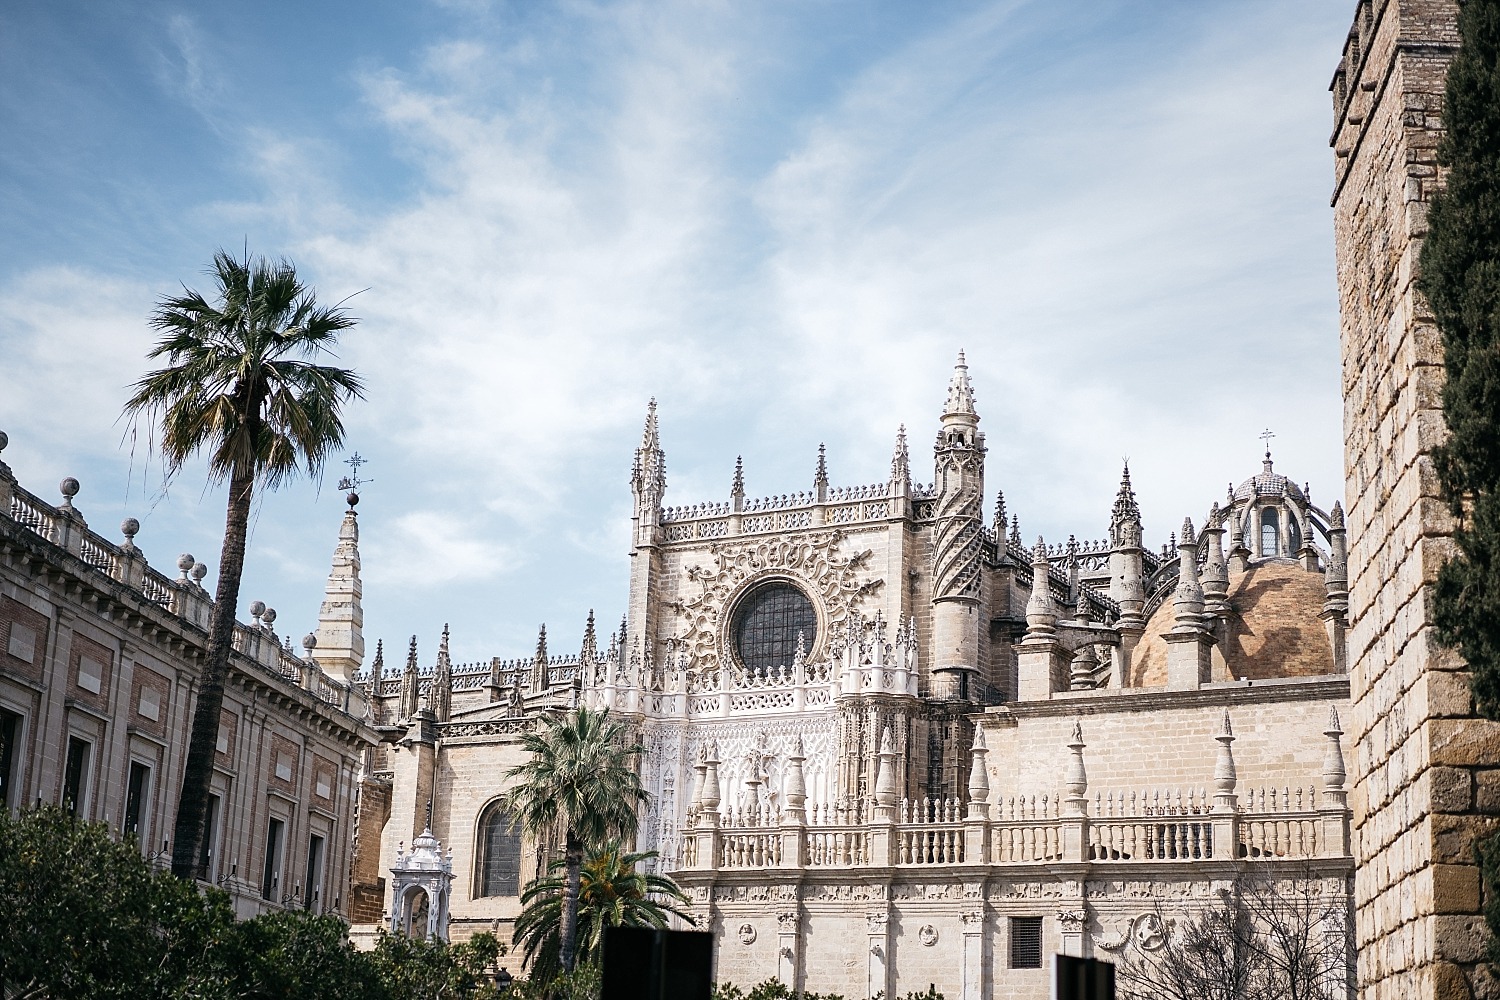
(780, 220)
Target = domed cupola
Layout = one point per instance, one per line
(1268, 483)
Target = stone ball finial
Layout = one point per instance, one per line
(130, 527)
(199, 572)
(309, 642)
(186, 561)
(352, 499)
(4, 440)
(257, 608)
(69, 487)
(268, 616)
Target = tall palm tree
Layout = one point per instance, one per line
(578, 777)
(240, 384)
(612, 892)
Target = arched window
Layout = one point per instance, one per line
(1293, 536)
(1268, 531)
(499, 863)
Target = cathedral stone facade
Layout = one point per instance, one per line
(890, 745)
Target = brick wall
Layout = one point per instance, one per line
(1413, 798)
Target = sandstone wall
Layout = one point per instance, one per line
(1413, 801)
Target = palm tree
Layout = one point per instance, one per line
(239, 384)
(612, 892)
(578, 777)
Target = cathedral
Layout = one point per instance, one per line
(889, 744)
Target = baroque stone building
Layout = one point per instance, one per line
(99, 659)
(890, 745)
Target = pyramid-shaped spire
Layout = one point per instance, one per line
(960, 391)
(820, 474)
(539, 678)
(901, 459)
(590, 651)
(649, 471)
(737, 487)
(377, 670)
(1125, 505)
(999, 512)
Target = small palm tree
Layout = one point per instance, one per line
(578, 777)
(239, 384)
(612, 892)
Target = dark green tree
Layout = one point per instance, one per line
(578, 777)
(240, 384)
(612, 892)
(89, 917)
(1460, 277)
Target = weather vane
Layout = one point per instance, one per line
(352, 481)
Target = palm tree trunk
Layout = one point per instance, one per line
(197, 772)
(573, 856)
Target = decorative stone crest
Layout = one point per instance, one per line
(810, 559)
(747, 934)
(928, 935)
(787, 921)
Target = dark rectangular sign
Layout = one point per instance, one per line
(644, 964)
(1082, 979)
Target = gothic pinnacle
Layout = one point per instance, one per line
(960, 391)
(411, 656)
(901, 458)
(378, 667)
(999, 511)
(737, 487)
(820, 475)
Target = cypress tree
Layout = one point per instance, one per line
(1460, 276)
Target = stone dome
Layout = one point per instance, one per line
(1268, 483)
(1273, 630)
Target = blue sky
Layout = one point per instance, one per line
(782, 220)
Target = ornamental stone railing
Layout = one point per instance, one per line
(185, 597)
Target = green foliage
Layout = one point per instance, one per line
(578, 776)
(612, 892)
(773, 989)
(239, 381)
(1460, 276)
(89, 917)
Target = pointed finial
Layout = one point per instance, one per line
(1336, 516)
(1039, 552)
(960, 392)
(820, 475)
(901, 458)
(590, 649)
(378, 667)
(411, 656)
(541, 644)
(737, 487)
(443, 642)
(1015, 530)
(1334, 727)
(1189, 537)
(1225, 729)
(999, 511)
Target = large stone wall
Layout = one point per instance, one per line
(1414, 810)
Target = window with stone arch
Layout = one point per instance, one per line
(1269, 529)
(766, 625)
(498, 865)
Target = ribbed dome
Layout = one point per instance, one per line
(1268, 483)
(1274, 629)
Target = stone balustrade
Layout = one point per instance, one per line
(185, 597)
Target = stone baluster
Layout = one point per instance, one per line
(794, 812)
(1225, 820)
(1335, 808)
(977, 821)
(1042, 663)
(1074, 820)
(707, 831)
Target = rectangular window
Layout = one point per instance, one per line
(270, 882)
(210, 838)
(76, 775)
(1025, 942)
(136, 789)
(314, 883)
(10, 736)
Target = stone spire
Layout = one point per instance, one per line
(649, 474)
(820, 476)
(377, 669)
(1015, 530)
(440, 691)
(1125, 518)
(1041, 613)
(900, 465)
(1215, 570)
(340, 649)
(1000, 516)
(737, 487)
(1187, 602)
(1189, 644)
(960, 393)
(409, 685)
(539, 678)
(589, 654)
(1225, 778)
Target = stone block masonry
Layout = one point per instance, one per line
(1418, 775)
